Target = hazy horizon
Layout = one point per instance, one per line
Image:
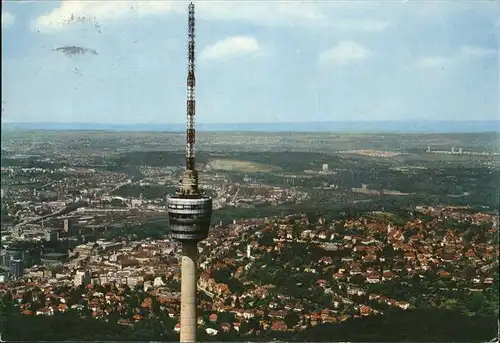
(430, 126)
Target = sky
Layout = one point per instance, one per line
(257, 62)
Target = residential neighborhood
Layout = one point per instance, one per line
(279, 274)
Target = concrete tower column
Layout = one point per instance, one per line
(188, 291)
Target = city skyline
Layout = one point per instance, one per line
(301, 62)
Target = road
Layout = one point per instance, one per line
(116, 187)
(210, 294)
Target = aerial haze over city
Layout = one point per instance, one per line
(250, 171)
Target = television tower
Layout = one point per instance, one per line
(189, 211)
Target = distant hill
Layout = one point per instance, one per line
(362, 127)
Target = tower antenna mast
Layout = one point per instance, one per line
(191, 88)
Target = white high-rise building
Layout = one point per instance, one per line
(249, 251)
(82, 278)
(325, 167)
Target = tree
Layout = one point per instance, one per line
(237, 303)
(246, 303)
(129, 312)
(99, 288)
(357, 279)
(27, 297)
(155, 305)
(42, 299)
(492, 294)
(475, 302)
(226, 317)
(113, 317)
(449, 304)
(235, 286)
(291, 319)
(267, 239)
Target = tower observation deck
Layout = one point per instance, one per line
(189, 211)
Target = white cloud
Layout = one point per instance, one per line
(476, 51)
(7, 19)
(344, 53)
(77, 12)
(466, 52)
(293, 13)
(266, 13)
(232, 46)
(434, 62)
(365, 25)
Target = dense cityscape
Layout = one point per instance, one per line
(89, 235)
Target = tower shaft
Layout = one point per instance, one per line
(188, 292)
